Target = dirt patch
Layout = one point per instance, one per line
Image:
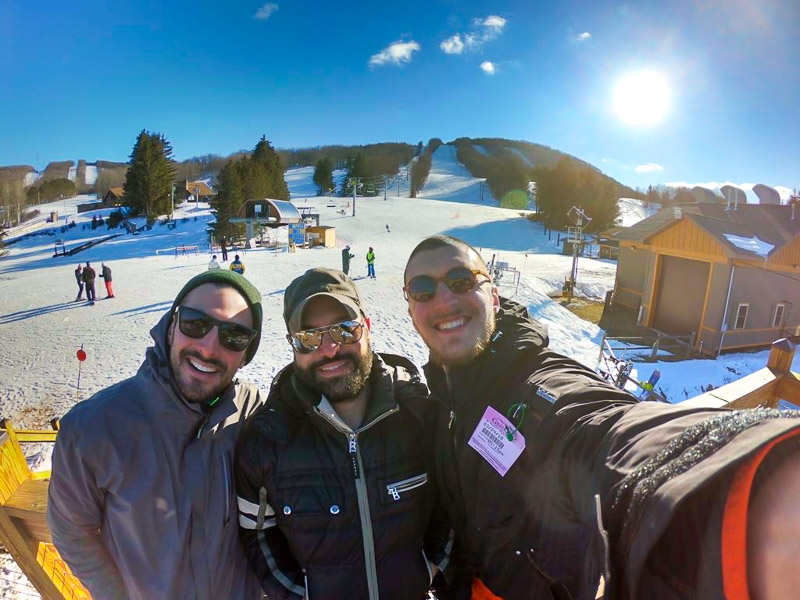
(585, 308)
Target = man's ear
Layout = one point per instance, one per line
(368, 323)
(495, 299)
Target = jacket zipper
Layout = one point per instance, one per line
(228, 487)
(357, 468)
(395, 489)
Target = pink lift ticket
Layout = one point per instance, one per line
(490, 439)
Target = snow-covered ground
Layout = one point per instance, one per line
(42, 328)
(90, 176)
(633, 210)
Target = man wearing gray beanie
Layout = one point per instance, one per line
(141, 499)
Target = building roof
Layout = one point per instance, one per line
(769, 223)
(117, 191)
(201, 186)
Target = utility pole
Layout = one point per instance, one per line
(385, 188)
(575, 236)
(172, 201)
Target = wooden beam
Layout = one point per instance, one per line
(789, 388)
(781, 356)
(758, 389)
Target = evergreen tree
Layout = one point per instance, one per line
(323, 176)
(148, 182)
(267, 165)
(228, 200)
(356, 167)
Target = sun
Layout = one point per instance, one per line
(642, 99)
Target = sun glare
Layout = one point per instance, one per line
(642, 98)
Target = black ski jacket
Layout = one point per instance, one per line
(599, 480)
(327, 512)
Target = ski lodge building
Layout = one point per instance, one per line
(727, 274)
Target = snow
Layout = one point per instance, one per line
(90, 175)
(633, 210)
(751, 244)
(519, 153)
(31, 177)
(43, 328)
(481, 149)
(71, 174)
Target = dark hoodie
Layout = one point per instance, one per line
(600, 481)
(141, 499)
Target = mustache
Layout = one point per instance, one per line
(212, 361)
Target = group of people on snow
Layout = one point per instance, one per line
(85, 277)
(346, 256)
(508, 471)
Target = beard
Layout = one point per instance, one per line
(458, 357)
(340, 389)
(192, 390)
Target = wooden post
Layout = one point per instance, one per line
(781, 356)
(654, 353)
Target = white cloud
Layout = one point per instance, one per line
(266, 11)
(484, 30)
(488, 67)
(494, 23)
(452, 45)
(582, 37)
(396, 53)
(648, 168)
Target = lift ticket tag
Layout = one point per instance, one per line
(490, 439)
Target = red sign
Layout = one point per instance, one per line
(81, 355)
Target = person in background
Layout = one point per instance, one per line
(237, 266)
(335, 479)
(555, 478)
(88, 276)
(141, 502)
(223, 243)
(79, 280)
(105, 273)
(346, 256)
(371, 263)
(213, 264)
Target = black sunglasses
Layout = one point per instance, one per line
(459, 280)
(308, 340)
(196, 324)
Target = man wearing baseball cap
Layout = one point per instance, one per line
(334, 476)
(141, 499)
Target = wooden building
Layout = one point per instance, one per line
(728, 274)
(114, 197)
(184, 190)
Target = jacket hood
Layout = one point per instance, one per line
(515, 324)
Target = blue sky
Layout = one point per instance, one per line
(81, 80)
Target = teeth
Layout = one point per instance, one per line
(331, 367)
(202, 368)
(451, 324)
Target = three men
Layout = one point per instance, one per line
(141, 499)
(554, 478)
(334, 475)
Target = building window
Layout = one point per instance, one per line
(741, 316)
(780, 312)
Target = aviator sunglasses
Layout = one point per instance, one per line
(196, 324)
(308, 340)
(459, 280)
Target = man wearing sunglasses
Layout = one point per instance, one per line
(554, 478)
(337, 498)
(141, 500)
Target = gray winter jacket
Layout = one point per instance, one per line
(141, 501)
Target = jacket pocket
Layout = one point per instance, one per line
(397, 490)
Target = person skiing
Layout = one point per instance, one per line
(388, 230)
(89, 276)
(371, 263)
(106, 275)
(237, 266)
(213, 264)
(79, 280)
(346, 256)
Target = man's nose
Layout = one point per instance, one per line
(328, 346)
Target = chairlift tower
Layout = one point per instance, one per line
(575, 237)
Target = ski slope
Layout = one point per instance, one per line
(42, 327)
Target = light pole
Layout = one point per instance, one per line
(197, 198)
